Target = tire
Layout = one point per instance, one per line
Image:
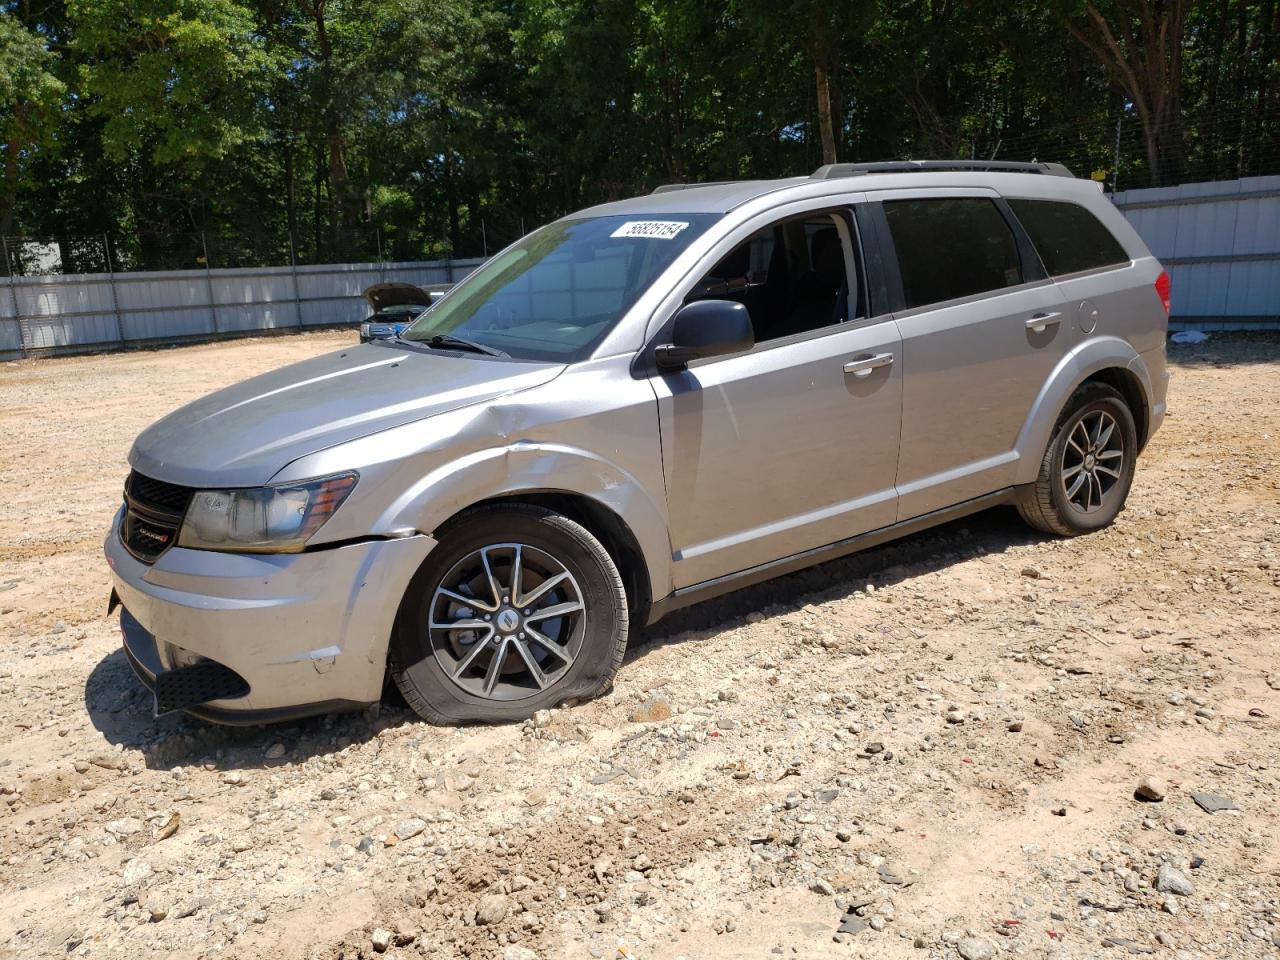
(447, 673)
(1054, 503)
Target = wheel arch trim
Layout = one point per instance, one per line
(538, 472)
(1083, 362)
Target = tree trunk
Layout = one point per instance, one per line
(317, 219)
(291, 199)
(670, 126)
(9, 202)
(451, 200)
(341, 204)
(1151, 144)
(826, 128)
(1268, 25)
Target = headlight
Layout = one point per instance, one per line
(364, 331)
(277, 519)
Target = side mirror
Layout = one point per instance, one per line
(706, 328)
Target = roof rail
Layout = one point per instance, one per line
(672, 187)
(832, 170)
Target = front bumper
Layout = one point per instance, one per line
(308, 632)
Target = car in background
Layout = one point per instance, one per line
(395, 306)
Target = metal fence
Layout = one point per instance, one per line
(1220, 242)
(77, 313)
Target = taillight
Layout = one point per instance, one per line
(1163, 290)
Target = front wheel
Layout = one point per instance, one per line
(517, 609)
(1088, 468)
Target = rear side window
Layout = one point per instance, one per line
(1068, 237)
(951, 247)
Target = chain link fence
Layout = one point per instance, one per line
(1235, 140)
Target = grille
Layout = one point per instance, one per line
(153, 514)
(157, 493)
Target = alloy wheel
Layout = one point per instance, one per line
(507, 621)
(1092, 461)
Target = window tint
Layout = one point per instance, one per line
(1068, 237)
(951, 247)
(791, 276)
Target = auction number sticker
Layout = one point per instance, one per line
(652, 229)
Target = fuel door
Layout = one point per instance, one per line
(1087, 316)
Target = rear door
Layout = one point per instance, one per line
(982, 328)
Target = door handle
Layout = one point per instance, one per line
(862, 366)
(1041, 321)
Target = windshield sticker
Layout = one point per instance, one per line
(651, 229)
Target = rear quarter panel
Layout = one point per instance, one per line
(1118, 318)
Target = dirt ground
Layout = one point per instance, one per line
(933, 747)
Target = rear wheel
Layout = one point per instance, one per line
(1087, 470)
(517, 609)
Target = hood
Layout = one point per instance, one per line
(383, 295)
(243, 435)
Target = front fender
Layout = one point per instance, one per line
(527, 466)
(1082, 362)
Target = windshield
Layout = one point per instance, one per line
(556, 293)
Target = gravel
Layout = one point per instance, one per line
(972, 948)
(795, 734)
(1151, 789)
(492, 909)
(1172, 880)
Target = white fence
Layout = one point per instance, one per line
(1220, 243)
(75, 313)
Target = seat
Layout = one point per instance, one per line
(817, 300)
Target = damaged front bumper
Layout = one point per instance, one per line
(306, 632)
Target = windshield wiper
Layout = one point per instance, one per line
(448, 340)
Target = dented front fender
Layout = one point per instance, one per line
(591, 432)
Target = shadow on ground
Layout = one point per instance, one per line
(992, 531)
(121, 708)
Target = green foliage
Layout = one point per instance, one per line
(260, 130)
(30, 95)
(180, 79)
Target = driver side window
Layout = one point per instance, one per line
(792, 276)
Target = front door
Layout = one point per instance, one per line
(794, 444)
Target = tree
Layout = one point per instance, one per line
(182, 77)
(1140, 44)
(822, 35)
(178, 85)
(343, 129)
(30, 94)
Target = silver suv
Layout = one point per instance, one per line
(632, 409)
